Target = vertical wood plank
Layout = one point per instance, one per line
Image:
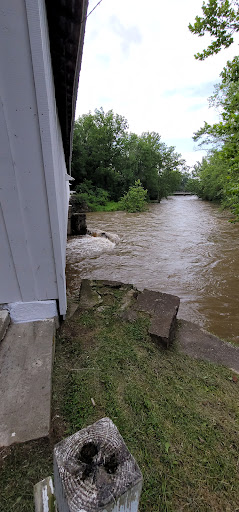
(44, 497)
(51, 141)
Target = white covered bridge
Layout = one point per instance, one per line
(41, 45)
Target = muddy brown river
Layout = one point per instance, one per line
(182, 246)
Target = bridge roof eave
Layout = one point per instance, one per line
(66, 22)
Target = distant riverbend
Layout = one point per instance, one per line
(182, 246)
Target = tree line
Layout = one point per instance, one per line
(217, 176)
(108, 160)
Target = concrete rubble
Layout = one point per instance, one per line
(164, 328)
(162, 308)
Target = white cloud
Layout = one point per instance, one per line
(140, 62)
(192, 157)
(128, 35)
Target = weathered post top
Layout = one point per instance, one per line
(94, 471)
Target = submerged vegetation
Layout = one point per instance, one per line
(135, 199)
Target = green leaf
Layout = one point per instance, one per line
(167, 446)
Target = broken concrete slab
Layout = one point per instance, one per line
(26, 357)
(200, 344)
(163, 309)
(88, 297)
(147, 300)
(4, 323)
(128, 298)
(162, 328)
(72, 307)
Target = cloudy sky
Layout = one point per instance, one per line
(139, 60)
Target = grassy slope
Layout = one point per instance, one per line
(179, 417)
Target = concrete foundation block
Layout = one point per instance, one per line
(22, 312)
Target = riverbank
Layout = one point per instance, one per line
(178, 416)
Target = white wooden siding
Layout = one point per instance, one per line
(33, 190)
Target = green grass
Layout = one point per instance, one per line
(179, 417)
(21, 467)
(110, 206)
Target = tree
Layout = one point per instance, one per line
(149, 161)
(219, 173)
(108, 157)
(220, 170)
(135, 199)
(171, 172)
(221, 21)
(212, 174)
(98, 147)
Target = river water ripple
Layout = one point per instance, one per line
(182, 246)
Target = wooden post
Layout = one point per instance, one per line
(44, 496)
(69, 220)
(78, 224)
(95, 472)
